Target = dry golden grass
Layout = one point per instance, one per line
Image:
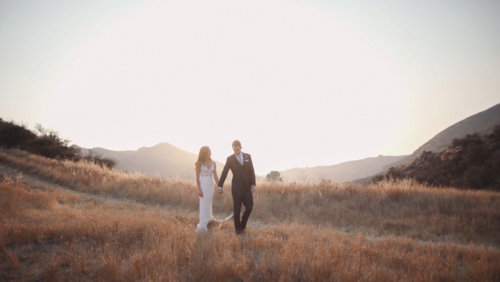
(53, 234)
(402, 208)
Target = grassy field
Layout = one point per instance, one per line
(78, 222)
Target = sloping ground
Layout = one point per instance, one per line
(472, 162)
(482, 123)
(313, 233)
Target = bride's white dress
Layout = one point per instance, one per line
(207, 186)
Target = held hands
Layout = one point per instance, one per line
(220, 191)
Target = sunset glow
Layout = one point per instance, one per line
(298, 83)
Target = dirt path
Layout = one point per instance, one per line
(16, 175)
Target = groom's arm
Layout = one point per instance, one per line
(252, 172)
(224, 174)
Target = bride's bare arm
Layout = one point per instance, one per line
(198, 172)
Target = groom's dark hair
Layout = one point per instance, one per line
(236, 143)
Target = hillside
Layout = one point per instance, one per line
(342, 172)
(472, 162)
(77, 221)
(163, 159)
(43, 142)
(482, 123)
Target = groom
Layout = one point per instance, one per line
(242, 186)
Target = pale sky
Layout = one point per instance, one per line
(299, 83)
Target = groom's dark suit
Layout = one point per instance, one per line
(243, 179)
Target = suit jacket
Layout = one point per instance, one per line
(243, 175)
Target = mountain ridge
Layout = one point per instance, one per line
(162, 159)
(482, 123)
(342, 172)
(472, 162)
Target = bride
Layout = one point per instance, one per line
(206, 173)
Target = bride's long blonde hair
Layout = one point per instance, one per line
(202, 157)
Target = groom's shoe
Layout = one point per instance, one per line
(242, 232)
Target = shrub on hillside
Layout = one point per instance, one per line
(50, 145)
(44, 142)
(99, 159)
(15, 135)
(274, 176)
(472, 162)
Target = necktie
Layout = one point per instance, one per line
(240, 159)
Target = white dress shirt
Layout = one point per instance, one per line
(240, 158)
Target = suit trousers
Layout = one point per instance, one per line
(241, 195)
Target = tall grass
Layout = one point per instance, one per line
(398, 208)
(56, 235)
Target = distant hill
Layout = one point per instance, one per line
(472, 162)
(482, 123)
(342, 172)
(163, 160)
